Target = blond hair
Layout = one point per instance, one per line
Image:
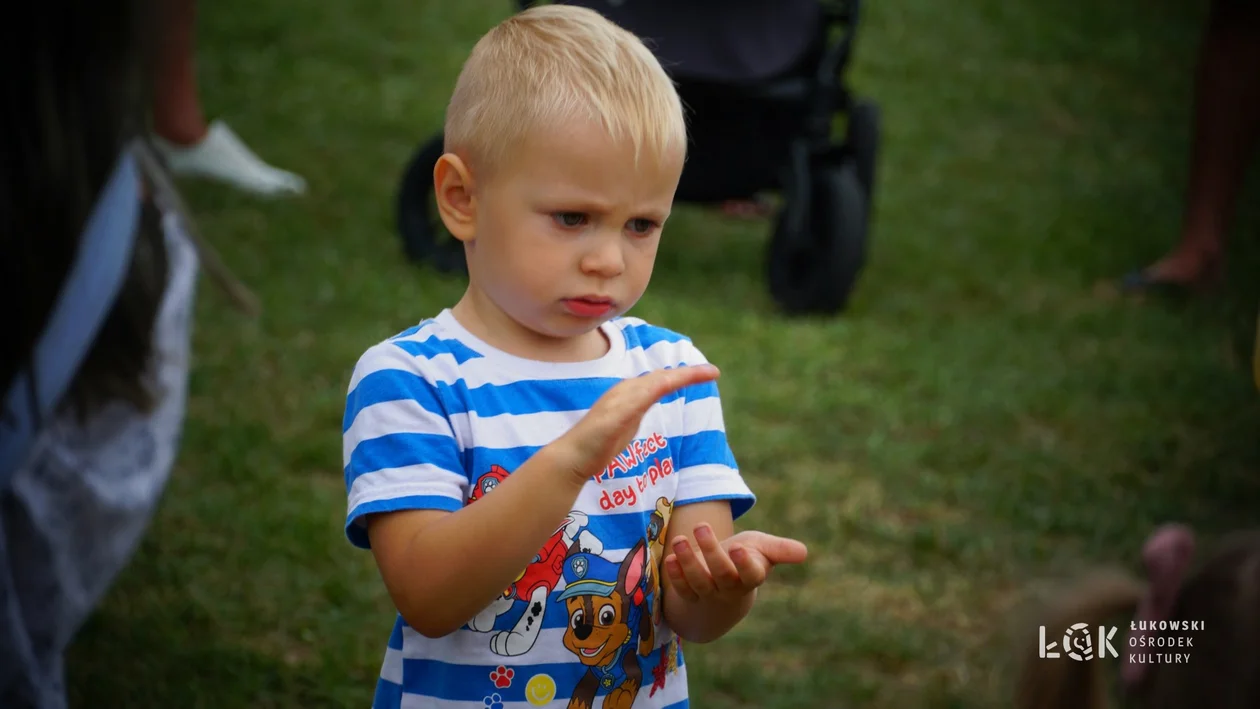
(556, 63)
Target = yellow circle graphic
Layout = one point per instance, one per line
(540, 689)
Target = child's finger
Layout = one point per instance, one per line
(611, 423)
(753, 569)
(631, 399)
(778, 550)
(693, 567)
(657, 384)
(721, 569)
(675, 573)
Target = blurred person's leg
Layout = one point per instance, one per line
(191, 145)
(1226, 126)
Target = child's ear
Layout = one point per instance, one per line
(456, 201)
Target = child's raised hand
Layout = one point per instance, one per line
(613, 421)
(728, 569)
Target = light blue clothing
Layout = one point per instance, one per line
(75, 511)
(435, 418)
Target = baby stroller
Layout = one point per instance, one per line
(763, 82)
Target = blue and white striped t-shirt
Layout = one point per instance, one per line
(435, 418)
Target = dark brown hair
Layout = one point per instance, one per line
(1222, 671)
(75, 93)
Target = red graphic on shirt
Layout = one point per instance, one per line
(535, 582)
(658, 674)
(545, 571)
(502, 677)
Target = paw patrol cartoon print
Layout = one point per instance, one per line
(666, 666)
(657, 534)
(607, 607)
(502, 677)
(536, 581)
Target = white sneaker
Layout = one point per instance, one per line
(222, 156)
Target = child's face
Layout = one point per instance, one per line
(567, 229)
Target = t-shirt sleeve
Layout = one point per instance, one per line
(398, 446)
(706, 466)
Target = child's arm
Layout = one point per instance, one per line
(441, 567)
(695, 621)
(710, 581)
(712, 575)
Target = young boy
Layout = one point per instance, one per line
(517, 464)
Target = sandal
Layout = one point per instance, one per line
(1141, 282)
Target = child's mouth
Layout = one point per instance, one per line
(588, 307)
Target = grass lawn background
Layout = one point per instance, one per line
(983, 417)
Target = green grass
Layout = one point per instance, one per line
(982, 418)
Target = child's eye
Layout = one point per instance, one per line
(569, 220)
(641, 226)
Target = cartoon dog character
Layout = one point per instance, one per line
(538, 579)
(606, 602)
(657, 529)
(487, 482)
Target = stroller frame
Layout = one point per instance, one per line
(818, 247)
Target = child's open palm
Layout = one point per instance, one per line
(728, 569)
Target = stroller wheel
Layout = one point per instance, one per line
(813, 270)
(423, 235)
(863, 138)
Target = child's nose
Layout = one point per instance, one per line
(605, 259)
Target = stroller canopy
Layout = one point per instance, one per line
(732, 41)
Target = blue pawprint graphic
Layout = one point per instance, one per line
(493, 701)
